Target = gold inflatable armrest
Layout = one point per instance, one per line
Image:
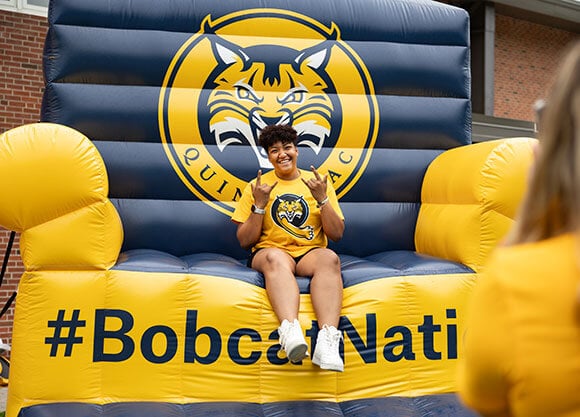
(469, 199)
(55, 192)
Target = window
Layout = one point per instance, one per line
(36, 7)
(36, 3)
(5, 4)
(39, 3)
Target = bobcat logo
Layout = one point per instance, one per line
(228, 82)
(263, 85)
(290, 212)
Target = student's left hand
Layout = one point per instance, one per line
(317, 185)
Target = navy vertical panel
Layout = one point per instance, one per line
(105, 64)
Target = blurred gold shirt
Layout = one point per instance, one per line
(522, 344)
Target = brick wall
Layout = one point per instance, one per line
(21, 84)
(526, 56)
(14, 271)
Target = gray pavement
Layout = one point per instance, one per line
(3, 395)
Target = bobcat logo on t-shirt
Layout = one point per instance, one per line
(290, 212)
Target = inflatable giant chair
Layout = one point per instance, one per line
(136, 300)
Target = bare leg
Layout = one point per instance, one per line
(323, 265)
(278, 269)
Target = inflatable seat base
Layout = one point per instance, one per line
(442, 405)
(355, 270)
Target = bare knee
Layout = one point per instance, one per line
(273, 260)
(321, 261)
(328, 258)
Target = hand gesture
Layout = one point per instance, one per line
(317, 185)
(261, 192)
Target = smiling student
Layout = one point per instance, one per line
(286, 217)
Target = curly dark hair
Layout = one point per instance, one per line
(277, 133)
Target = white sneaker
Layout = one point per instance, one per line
(327, 353)
(292, 340)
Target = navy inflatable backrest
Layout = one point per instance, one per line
(174, 92)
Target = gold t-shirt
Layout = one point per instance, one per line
(292, 221)
(522, 341)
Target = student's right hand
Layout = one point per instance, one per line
(261, 192)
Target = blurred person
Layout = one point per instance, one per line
(286, 217)
(522, 343)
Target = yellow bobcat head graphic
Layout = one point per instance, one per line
(290, 212)
(269, 84)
